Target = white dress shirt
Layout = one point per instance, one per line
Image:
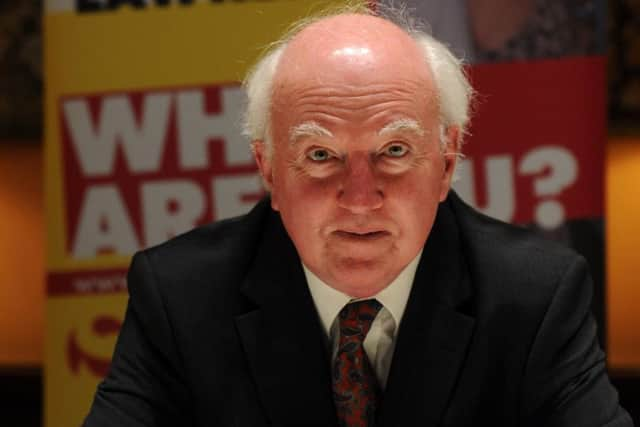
(381, 339)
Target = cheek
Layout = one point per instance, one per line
(303, 202)
(301, 188)
(418, 187)
(415, 200)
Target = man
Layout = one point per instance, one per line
(362, 292)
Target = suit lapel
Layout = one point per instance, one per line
(283, 339)
(434, 332)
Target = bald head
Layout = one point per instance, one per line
(353, 49)
(356, 49)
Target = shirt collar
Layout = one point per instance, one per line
(329, 301)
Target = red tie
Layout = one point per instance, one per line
(355, 389)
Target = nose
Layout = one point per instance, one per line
(360, 190)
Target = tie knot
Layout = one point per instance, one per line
(356, 318)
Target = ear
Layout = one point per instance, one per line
(260, 153)
(263, 160)
(450, 157)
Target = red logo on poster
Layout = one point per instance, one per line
(536, 149)
(78, 356)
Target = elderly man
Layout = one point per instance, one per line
(362, 292)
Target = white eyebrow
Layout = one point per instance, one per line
(402, 125)
(307, 129)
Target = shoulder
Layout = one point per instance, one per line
(511, 264)
(205, 262)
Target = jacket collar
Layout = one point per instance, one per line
(282, 338)
(434, 333)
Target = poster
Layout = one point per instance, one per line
(143, 142)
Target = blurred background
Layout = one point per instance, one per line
(119, 128)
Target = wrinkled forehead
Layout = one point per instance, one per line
(352, 50)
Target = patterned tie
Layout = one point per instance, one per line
(355, 389)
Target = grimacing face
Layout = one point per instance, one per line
(357, 170)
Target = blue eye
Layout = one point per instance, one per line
(318, 155)
(396, 150)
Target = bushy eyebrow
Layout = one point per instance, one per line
(402, 125)
(308, 129)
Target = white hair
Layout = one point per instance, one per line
(453, 90)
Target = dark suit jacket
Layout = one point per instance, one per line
(221, 330)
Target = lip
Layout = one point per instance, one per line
(362, 235)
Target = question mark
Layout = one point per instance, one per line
(550, 213)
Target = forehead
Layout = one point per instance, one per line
(333, 104)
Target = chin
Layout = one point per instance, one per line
(362, 279)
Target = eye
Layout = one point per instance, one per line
(396, 150)
(318, 155)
